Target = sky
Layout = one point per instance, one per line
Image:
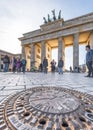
(21, 16)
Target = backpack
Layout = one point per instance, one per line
(23, 62)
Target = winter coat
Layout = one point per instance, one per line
(60, 63)
(45, 63)
(89, 56)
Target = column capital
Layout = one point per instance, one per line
(22, 44)
(59, 38)
(76, 35)
(43, 42)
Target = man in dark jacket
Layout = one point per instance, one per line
(89, 60)
(45, 64)
(6, 62)
(60, 66)
(23, 65)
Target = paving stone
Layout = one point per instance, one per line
(15, 83)
(49, 125)
(1, 121)
(33, 121)
(2, 126)
(28, 118)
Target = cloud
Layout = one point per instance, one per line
(21, 16)
(5, 13)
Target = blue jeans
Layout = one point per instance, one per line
(90, 68)
(60, 70)
(23, 68)
(45, 70)
(6, 67)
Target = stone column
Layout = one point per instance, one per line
(76, 51)
(43, 50)
(23, 52)
(61, 49)
(0, 62)
(32, 54)
(91, 40)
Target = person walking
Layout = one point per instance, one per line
(45, 65)
(23, 65)
(89, 61)
(6, 62)
(60, 66)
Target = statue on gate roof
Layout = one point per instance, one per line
(45, 21)
(59, 16)
(54, 17)
(49, 20)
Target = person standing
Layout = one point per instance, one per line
(70, 69)
(89, 61)
(14, 61)
(6, 62)
(23, 65)
(53, 65)
(45, 65)
(41, 67)
(60, 66)
(18, 65)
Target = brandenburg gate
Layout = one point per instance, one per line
(57, 33)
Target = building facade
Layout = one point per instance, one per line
(57, 34)
(11, 55)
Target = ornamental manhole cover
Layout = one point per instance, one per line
(47, 108)
(53, 101)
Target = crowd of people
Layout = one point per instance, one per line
(17, 64)
(44, 66)
(89, 64)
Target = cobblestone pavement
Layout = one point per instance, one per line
(11, 83)
(38, 101)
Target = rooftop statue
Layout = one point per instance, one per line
(45, 21)
(49, 20)
(54, 17)
(59, 16)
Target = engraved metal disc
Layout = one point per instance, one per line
(47, 108)
(53, 100)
